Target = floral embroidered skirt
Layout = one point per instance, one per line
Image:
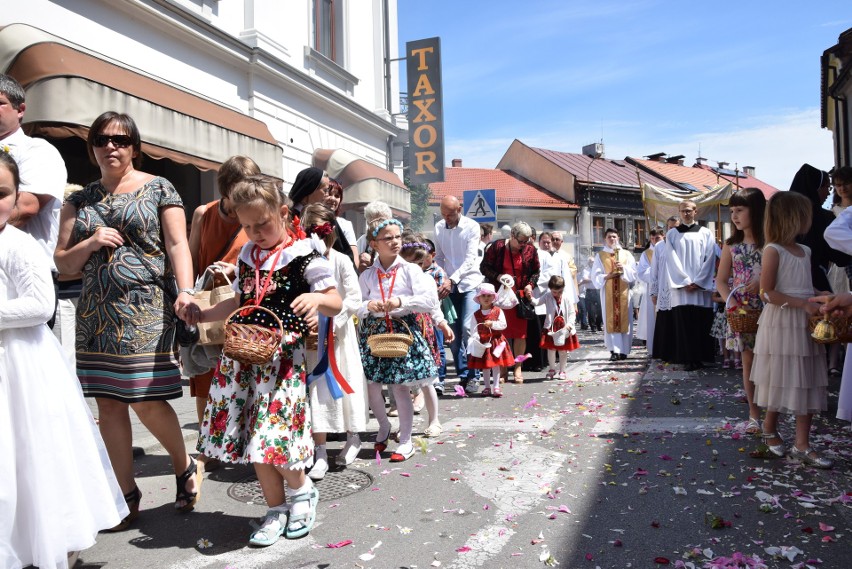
(416, 367)
(259, 414)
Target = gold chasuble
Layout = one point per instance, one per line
(617, 293)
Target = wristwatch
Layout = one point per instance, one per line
(187, 290)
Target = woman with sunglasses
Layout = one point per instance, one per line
(126, 232)
(517, 257)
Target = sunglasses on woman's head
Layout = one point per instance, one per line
(118, 140)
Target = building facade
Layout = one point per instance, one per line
(836, 92)
(207, 79)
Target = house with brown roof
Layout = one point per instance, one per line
(607, 192)
(518, 198)
(835, 94)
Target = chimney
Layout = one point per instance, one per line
(722, 164)
(457, 162)
(748, 171)
(700, 161)
(594, 150)
(676, 159)
(658, 157)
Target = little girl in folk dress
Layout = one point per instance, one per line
(560, 314)
(393, 292)
(259, 413)
(486, 325)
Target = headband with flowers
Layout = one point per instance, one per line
(384, 224)
(322, 230)
(417, 244)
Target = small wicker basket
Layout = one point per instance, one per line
(251, 344)
(741, 319)
(842, 329)
(390, 344)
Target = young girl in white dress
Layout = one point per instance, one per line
(560, 313)
(486, 325)
(789, 369)
(58, 488)
(393, 292)
(347, 413)
(286, 275)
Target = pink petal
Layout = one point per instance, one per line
(564, 509)
(463, 549)
(460, 391)
(825, 527)
(665, 457)
(339, 544)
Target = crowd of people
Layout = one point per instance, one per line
(317, 328)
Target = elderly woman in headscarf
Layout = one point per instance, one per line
(814, 183)
(312, 185)
(515, 256)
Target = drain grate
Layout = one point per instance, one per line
(334, 486)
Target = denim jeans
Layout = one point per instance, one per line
(465, 307)
(582, 315)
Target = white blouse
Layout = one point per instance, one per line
(415, 289)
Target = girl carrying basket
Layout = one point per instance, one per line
(559, 333)
(486, 326)
(393, 292)
(259, 413)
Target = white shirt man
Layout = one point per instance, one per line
(690, 264)
(43, 173)
(456, 251)
(613, 271)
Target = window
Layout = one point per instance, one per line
(548, 225)
(324, 28)
(639, 236)
(598, 230)
(621, 229)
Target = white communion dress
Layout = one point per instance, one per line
(57, 487)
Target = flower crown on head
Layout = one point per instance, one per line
(384, 224)
(323, 230)
(417, 244)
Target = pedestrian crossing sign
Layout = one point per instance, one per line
(480, 205)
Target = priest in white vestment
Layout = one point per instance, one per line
(691, 264)
(613, 271)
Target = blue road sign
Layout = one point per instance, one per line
(480, 205)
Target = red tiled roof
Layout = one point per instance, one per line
(512, 190)
(587, 169)
(747, 181)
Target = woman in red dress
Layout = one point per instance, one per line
(518, 258)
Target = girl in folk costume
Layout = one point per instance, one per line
(415, 250)
(259, 413)
(338, 400)
(612, 273)
(741, 260)
(393, 291)
(789, 369)
(486, 326)
(647, 310)
(559, 333)
(59, 489)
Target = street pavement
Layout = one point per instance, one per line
(631, 464)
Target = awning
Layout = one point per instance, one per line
(68, 88)
(363, 181)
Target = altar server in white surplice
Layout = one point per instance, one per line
(691, 262)
(647, 311)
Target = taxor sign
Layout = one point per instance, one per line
(425, 111)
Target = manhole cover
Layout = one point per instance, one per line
(335, 485)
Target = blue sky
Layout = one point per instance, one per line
(739, 79)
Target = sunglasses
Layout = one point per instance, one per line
(118, 140)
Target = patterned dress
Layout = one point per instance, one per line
(259, 413)
(125, 319)
(745, 260)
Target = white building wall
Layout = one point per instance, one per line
(304, 106)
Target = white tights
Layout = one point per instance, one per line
(491, 377)
(404, 405)
(551, 360)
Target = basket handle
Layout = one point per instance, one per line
(490, 331)
(390, 329)
(730, 296)
(256, 307)
(212, 269)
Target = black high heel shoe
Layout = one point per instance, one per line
(182, 495)
(133, 499)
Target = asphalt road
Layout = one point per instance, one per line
(621, 465)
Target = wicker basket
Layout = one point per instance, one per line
(842, 329)
(390, 344)
(741, 319)
(251, 344)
